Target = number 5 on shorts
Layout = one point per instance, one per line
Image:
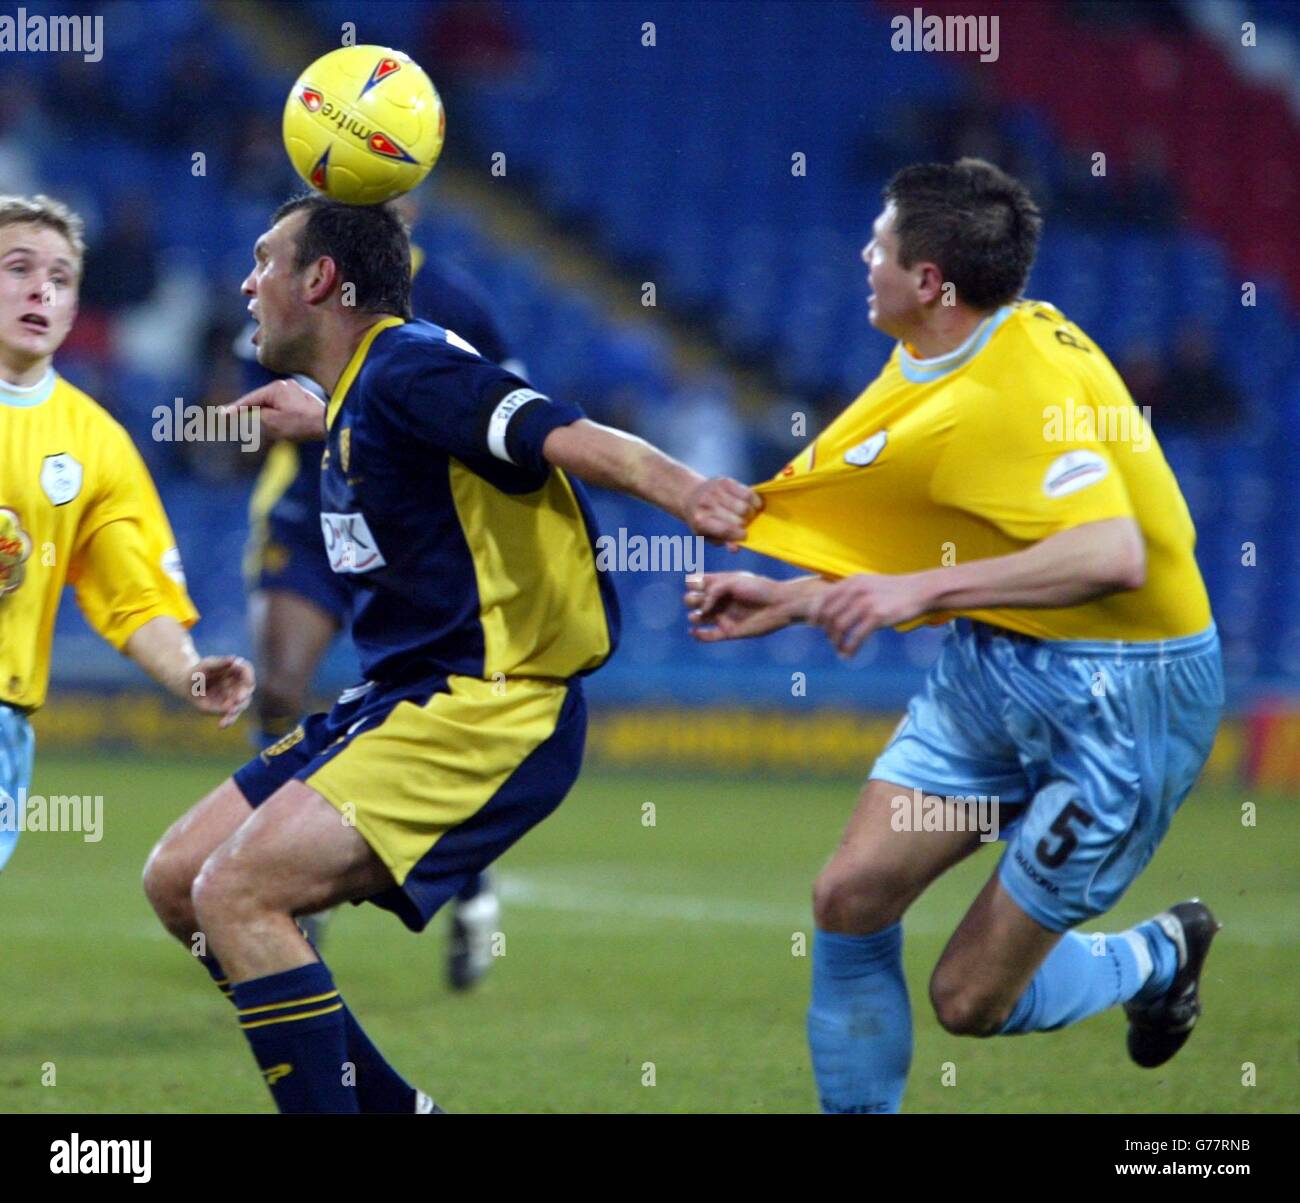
(1053, 858)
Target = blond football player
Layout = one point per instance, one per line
(77, 506)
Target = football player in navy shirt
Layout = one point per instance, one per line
(451, 504)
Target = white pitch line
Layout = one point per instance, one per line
(531, 893)
(621, 906)
(525, 892)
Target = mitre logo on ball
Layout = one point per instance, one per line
(363, 124)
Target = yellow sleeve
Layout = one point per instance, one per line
(125, 568)
(1028, 475)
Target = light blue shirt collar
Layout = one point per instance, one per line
(922, 371)
(33, 394)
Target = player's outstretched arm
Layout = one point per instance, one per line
(741, 605)
(285, 410)
(1065, 569)
(213, 684)
(717, 509)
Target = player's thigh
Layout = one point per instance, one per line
(881, 865)
(988, 963)
(296, 854)
(178, 856)
(291, 633)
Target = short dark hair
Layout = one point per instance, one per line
(370, 244)
(979, 225)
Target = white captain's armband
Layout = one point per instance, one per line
(499, 422)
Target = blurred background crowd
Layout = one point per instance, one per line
(735, 164)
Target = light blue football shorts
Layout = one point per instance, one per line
(17, 743)
(1089, 748)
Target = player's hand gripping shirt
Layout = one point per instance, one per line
(77, 506)
(1024, 431)
(466, 551)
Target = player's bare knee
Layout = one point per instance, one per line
(220, 892)
(856, 903)
(167, 881)
(965, 1011)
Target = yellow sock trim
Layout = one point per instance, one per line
(289, 1002)
(261, 1023)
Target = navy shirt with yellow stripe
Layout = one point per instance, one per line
(284, 550)
(466, 552)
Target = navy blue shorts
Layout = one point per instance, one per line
(439, 776)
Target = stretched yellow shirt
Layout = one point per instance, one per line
(77, 506)
(1024, 431)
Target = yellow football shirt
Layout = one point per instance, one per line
(1024, 431)
(78, 504)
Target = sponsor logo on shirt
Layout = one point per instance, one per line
(1073, 471)
(349, 544)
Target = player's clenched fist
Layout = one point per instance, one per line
(285, 410)
(721, 508)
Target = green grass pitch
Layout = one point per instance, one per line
(646, 968)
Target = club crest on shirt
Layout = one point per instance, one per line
(15, 547)
(60, 478)
(866, 452)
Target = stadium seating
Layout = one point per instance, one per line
(704, 196)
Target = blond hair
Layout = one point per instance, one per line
(42, 210)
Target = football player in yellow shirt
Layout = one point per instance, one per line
(77, 507)
(997, 473)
